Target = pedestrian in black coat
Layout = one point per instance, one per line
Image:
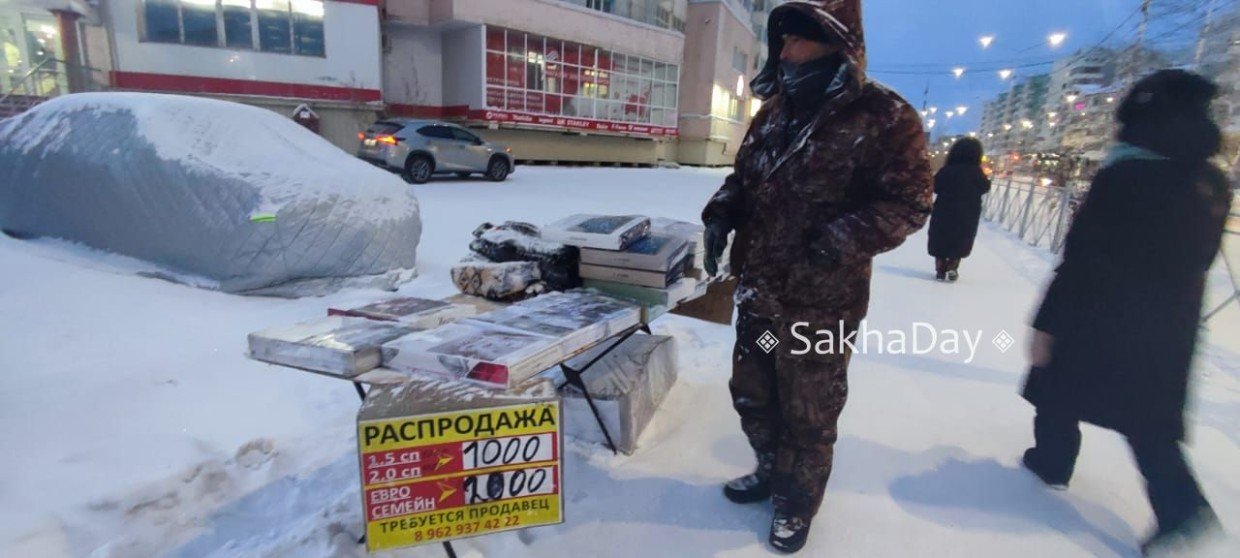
(1116, 330)
(958, 187)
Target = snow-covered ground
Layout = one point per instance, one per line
(131, 424)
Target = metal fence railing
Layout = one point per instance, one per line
(1040, 213)
(1229, 276)
(1035, 210)
(49, 78)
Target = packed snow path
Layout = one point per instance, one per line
(133, 425)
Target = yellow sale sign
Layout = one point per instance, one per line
(433, 478)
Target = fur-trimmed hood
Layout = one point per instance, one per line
(840, 20)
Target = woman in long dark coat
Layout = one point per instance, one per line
(958, 189)
(1116, 330)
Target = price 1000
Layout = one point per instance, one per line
(484, 454)
(509, 484)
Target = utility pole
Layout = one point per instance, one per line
(1130, 62)
(1205, 32)
(1145, 22)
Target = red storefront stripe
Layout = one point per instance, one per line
(194, 84)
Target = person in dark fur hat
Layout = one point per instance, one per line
(1115, 333)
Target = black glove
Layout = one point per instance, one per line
(716, 239)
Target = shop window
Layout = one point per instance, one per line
(275, 30)
(495, 38)
(238, 17)
(198, 20)
(544, 75)
(572, 54)
(740, 61)
(495, 68)
(572, 80)
(601, 5)
(534, 102)
(280, 26)
(514, 75)
(516, 43)
(495, 97)
(163, 21)
(535, 72)
(308, 27)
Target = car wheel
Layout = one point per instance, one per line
(418, 169)
(498, 170)
(462, 174)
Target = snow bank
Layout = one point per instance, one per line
(132, 424)
(230, 192)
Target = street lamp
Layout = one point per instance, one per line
(1004, 74)
(934, 110)
(958, 72)
(1071, 98)
(1056, 39)
(950, 114)
(961, 110)
(986, 40)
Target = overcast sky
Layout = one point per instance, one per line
(915, 42)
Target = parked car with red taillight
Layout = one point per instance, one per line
(419, 149)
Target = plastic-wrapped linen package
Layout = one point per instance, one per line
(339, 346)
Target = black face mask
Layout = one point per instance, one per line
(811, 81)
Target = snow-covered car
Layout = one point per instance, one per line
(238, 197)
(419, 149)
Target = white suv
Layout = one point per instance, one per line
(421, 148)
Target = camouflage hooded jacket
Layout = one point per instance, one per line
(853, 183)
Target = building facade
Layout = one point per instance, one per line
(1014, 120)
(723, 53)
(278, 54)
(1085, 69)
(1088, 121)
(616, 81)
(1070, 110)
(557, 81)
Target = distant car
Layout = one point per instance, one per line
(421, 148)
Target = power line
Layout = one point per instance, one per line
(934, 68)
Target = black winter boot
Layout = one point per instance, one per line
(1031, 463)
(755, 486)
(789, 531)
(1182, 539)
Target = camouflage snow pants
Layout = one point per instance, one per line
(788, 406)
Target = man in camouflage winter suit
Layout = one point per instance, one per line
(832, 172)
